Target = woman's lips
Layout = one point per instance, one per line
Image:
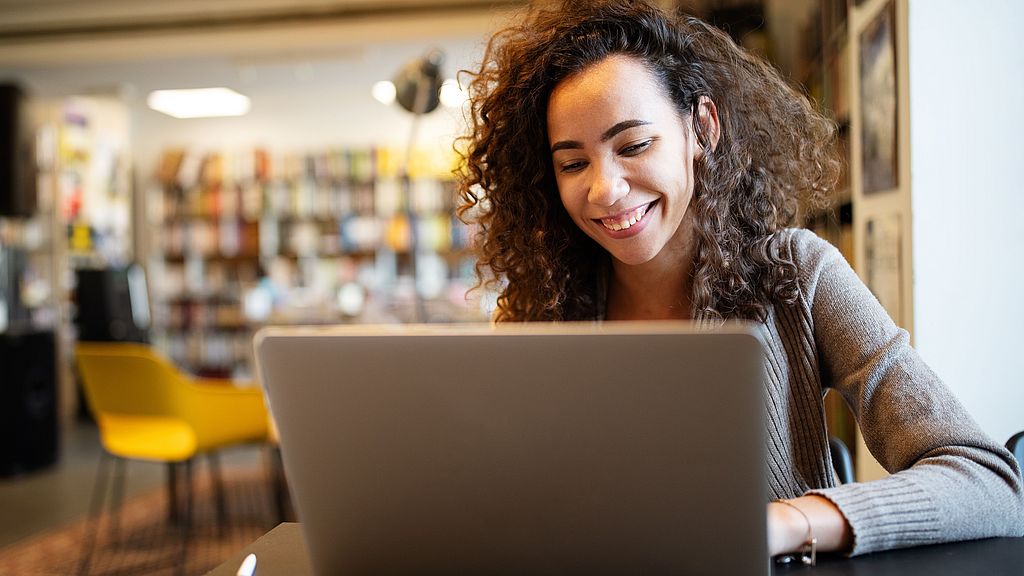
(627, 223)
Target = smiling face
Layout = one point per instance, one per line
(623, 159)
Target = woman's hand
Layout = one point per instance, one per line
(788, 530)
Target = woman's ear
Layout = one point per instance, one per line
(706, 123)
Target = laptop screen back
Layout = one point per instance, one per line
(569, 449)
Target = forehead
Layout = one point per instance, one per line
(616, 88)
(616, 67)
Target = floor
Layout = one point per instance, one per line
(49, 498)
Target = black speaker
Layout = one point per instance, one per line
(111, 304)
(28, 402)
(17, 155)
(12, 262)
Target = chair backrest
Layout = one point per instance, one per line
(841, 460)
(128, 378)
(1016, 446)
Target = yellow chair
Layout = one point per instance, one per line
(147, 409)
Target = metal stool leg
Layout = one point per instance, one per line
(117, 499)
(173, 511)
(95, 508)
(218, 491)
(278, 487)
(186, 520)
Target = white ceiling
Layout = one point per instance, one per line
(61, 47)
(21, 18)
(132, 58)
(54, 33)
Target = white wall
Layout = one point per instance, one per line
(967, 122)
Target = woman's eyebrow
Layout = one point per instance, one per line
(566, 145)
(608, 135)
(624, 125)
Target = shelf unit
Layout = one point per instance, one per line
(248, 239)
(824, 68)
(83, 218)
(871, 227)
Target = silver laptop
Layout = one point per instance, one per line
(528, 449)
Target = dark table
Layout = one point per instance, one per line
(282, 552)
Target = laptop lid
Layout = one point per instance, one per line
(527, 449)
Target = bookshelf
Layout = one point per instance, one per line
(252, 238)
(854, 64)
(823, 68)
(82, 219)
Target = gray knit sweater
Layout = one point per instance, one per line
(949, 480)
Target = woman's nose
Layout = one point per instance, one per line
(608, 186)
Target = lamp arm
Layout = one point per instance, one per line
(423, 88)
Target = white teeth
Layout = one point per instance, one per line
(633, 217)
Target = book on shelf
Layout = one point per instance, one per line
(297, 228)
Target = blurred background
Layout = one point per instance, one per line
(319, 199)
(313, 186)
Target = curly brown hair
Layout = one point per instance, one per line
(773, 147)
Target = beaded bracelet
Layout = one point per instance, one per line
(809, 551)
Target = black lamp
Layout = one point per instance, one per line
(418, 83)
(418, 90)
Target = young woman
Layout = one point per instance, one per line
(626, 164)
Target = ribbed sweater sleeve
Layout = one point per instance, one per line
(948, 480)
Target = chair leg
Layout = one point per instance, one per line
(117, 499)
(278, 488)
(95, 508)
(218, 491)
(172, 493)
(186, 520)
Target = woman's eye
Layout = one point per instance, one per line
(574, 166)
(634, 149)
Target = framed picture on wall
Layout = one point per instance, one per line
(883, 249)
(878, 102)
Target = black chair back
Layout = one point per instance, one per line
(1016, 445)
(841, 460)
